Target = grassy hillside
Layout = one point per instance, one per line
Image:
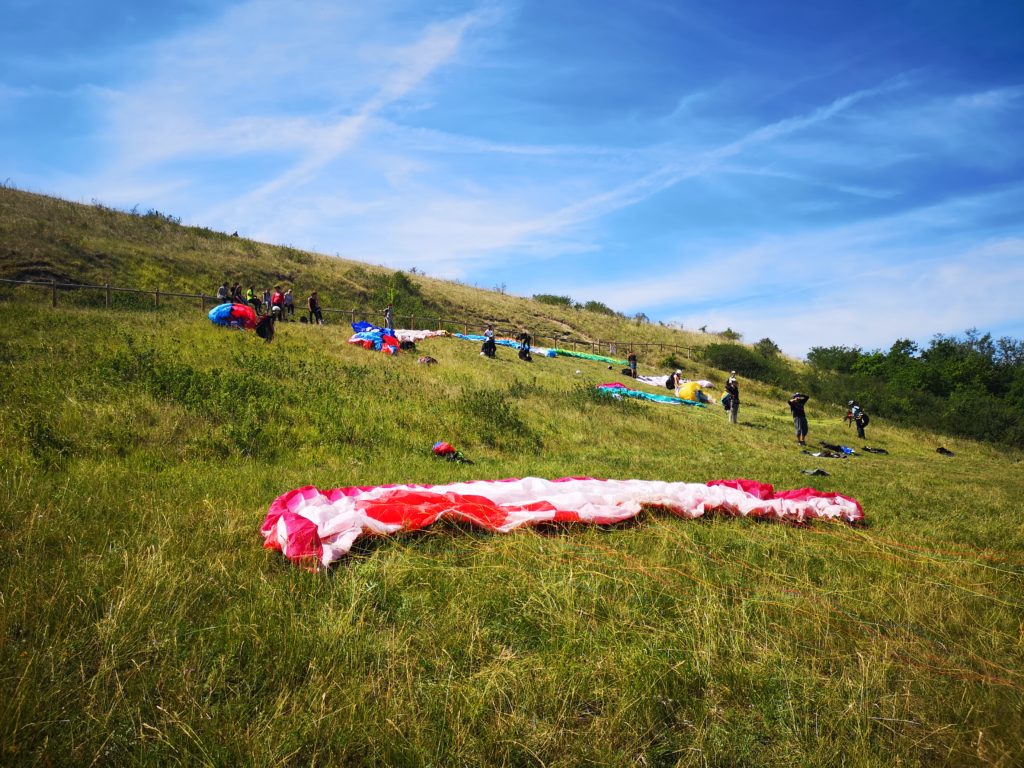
(142, 623)
(45, 238)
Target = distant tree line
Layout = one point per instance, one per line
(970, 386)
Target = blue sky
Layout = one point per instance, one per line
(817, 173)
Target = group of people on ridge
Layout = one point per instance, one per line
(278, 304)
(490, 347)
(856, 415)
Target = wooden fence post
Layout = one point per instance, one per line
(202, 302)
(156, 302)
(412, 322)
(108, 296)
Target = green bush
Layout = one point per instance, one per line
(767, 348)
(747, 363)
(671, 361)
(599, 307)
(497, 421)
(555, 301)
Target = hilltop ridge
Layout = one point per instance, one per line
(47, 238)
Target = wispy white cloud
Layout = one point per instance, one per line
(301, 78)
(903, 301)
(907, 275)
(370, 130)
(809, 180)
(673, 173)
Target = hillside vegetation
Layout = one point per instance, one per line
(971, 387)
(141, 622)
(45, 238)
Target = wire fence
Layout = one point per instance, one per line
(115, 297)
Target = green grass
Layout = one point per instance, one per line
(142, 622)
(44, 238)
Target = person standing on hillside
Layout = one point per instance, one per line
(277, 303)
(631, 362)
(252, 298)
(266, 299)
(222, 293)
(796, 405)
(732, 388)
(289, 304)
(313, 303)
(857, 416)
(389, 317)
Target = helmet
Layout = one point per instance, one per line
(850, 403)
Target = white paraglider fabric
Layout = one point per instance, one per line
(319, 527)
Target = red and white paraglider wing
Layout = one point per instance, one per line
(307, 524)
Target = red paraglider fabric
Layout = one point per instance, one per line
(311, 525)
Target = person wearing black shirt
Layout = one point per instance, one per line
(796, 405)
(732, 387)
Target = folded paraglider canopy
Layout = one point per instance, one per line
(233, 315)
(371, 337)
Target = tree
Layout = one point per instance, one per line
(767, 347)
(599, 307)
(839, 359)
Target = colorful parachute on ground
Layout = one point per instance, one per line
(692, 390)
(319, 527)
(370, 336)
(588, 356)
(620, 390)
(414, 336)
(511, 343)
(234, 315)
(660, 382)
(447, 451)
